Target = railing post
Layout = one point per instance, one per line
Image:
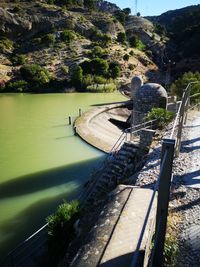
(180, 127)
(163, 201)
(187, 104)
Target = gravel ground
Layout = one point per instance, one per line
(185, 197)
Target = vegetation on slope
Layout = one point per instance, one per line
(181, 83)
(62, 36)
(183, 26)
(61, 230)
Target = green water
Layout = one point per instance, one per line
(41, 161)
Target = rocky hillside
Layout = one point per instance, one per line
(59, 35)
(183, 28)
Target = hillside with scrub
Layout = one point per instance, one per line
(93, 45)
(66, 46)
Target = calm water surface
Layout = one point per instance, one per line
(41, 161)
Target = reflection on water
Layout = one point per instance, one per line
(41, 161)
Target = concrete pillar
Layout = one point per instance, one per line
(146, 137)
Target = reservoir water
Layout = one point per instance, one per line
(42, 163)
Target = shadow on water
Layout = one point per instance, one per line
(33, 217)
(28, 221)
(47, 179)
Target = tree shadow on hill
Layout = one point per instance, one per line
(47, 179)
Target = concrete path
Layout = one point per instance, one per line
(192, 145)
(113, 239)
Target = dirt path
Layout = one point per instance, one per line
(186, 194)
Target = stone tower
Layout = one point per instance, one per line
(145, 97)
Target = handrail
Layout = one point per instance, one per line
(136, 254)
(183, 107)
(23, 246)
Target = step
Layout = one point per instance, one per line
(126, 153)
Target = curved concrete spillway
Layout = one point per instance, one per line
(95, 127)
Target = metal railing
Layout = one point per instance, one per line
(27, 250)
(170, 148)
(116, 147)
(181, 116)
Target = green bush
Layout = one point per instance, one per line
(99, 80)
(121, 37)
(126, 57)
(99, 88)
(131, 67)
(6, 45)
(102, 39)
(18, 60)
(68, 36)
(162, 117)
(60, 228)
(181, 83)
(49, 39)
(17, 86)
(35, 76)
(170, 251)
(98, 51)
(65, 69)
(87, 80)
(136, 43)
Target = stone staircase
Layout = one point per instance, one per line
(117, 168)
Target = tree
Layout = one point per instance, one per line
(96, 66)
(114, 69)
(127, 11)
(99, 66)
(126, 57)
(120, 16)
(135, 42)
(90, 4)
(77, 77)
(67, 36)
(35, 76)
(121, 37)
(115, 72)
(180, 84)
